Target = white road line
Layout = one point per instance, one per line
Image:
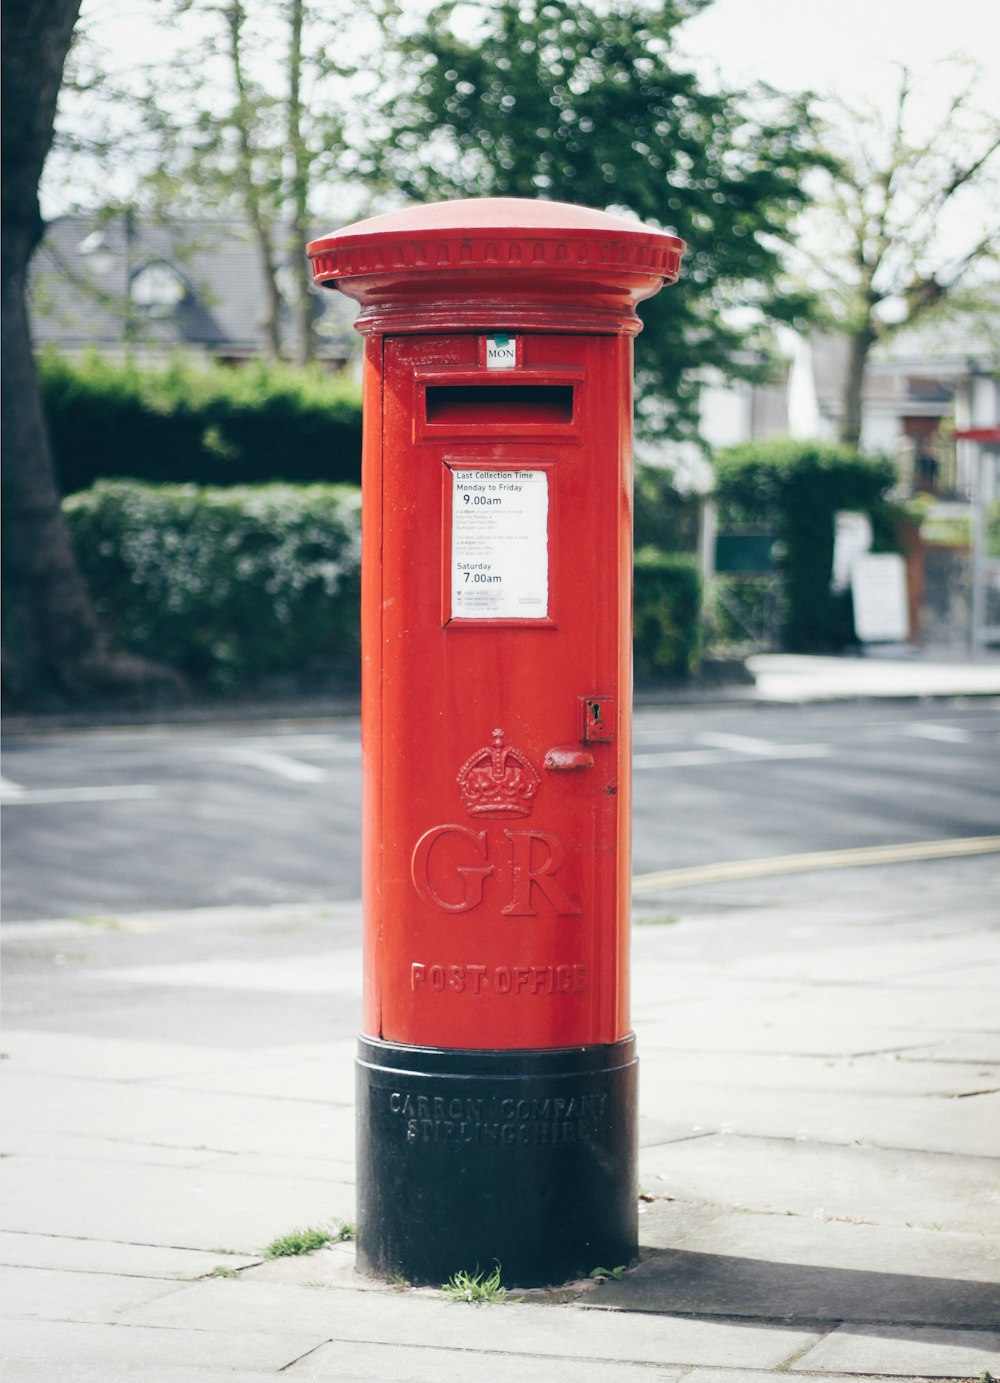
(927, 730)
(9, 792)
(280, 765)
(815, 860)
(323, 745)
(728, 754)
(763, 749)
(13, 795)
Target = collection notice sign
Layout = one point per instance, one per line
(499, 544)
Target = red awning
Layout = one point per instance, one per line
(978, 434)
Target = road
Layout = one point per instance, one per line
(115, 822)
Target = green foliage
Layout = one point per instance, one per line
(588, 103)
(300, 1241)
(229, 586)
(667, 610)
(475, 1287)
(662, 516)
(197, 423)
(793, 489)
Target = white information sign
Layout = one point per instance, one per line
(501, 352)
(499, 545)
(878, 586)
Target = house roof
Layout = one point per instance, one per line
(101, 281)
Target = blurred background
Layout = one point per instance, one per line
(183, 409)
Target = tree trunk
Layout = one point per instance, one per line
(244, 120)
(302, 305)
(54, 640)
(859, 345)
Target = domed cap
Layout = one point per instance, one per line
(504, 257)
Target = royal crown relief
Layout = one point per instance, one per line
(455, 868)
(498, 781)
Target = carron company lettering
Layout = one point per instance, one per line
(452, 864)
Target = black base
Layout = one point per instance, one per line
(469, 1159)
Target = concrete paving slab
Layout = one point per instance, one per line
(76, 1352)
(202, 1208)
(967, 1126)
(324, 1073)
(316, 1071)
(676, 1034)
(740, 1376)
(895, 1073)
(59, 1147)
(736, 1007)
(894, 1350)
(420, 1320)
(377, 1363)
(975, 1049)
(830, 1243)
(829, 1182)
(107, 1256)
(309, 974)
(211, 1120)
(103, 1058)
(682, 1280)
(868, 962)
(52, 1295)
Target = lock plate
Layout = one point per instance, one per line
(598, 719)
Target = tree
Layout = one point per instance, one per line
(252, 126)
(52, 633)
(895, 234)
(588, 104)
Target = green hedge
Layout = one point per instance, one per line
(793, 489)
(200, 424)
(234, 586)
(229, 586)
(667, 616)
(662, 516)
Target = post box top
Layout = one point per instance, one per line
(462, 262)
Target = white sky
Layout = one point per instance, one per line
(849, 48)
(844, 47)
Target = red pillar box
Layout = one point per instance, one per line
(497, 1066)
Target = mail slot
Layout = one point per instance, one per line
(497, 1068)
(496, 405)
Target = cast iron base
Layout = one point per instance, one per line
(467, 1159)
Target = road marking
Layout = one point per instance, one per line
(720, 749)
(763, 749)
(292, 745)
(280, 765)
(927, 730)
(14, 795)
(815, 860)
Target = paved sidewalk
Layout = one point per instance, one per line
(767, 677)
(820, 1129)
(796, 677)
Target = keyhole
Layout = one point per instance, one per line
(596, 710)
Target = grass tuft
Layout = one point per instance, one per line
(310, 1239)
(475, 1287)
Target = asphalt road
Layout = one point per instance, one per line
(109, 822)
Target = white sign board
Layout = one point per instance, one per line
(501, 352)
(878, 586)
(851, 538)
(499, 544)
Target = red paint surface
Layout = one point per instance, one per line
(496, 868)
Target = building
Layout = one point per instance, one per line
(124, 282)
